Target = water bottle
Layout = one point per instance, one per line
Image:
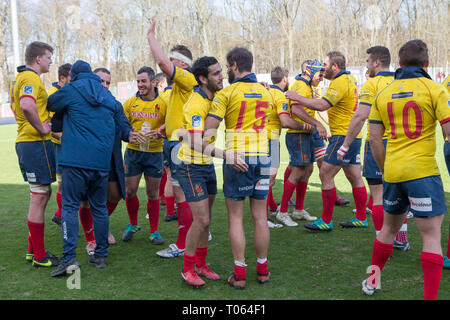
(144, 129)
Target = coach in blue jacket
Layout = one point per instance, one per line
(85, 157)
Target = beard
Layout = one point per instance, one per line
(328, 74)
(231, 76)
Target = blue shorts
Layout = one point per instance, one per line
(352, 156)
(254, 183)
(447, 155)
(198, 181)
(423, 197)
(37, 161)
(370, 167)
(274, 153)
(170, 150)
(56, 151)
(301, 149)
(138, 162)
(318, 142)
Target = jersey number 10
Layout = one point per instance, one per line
(405, 120)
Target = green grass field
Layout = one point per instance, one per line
(304, 265)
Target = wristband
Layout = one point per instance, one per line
(308, 126)
(342, 151)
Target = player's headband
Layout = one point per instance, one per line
(181, 57)
(312, 68)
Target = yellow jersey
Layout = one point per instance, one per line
(55, 87)
(184, 82)
(302, 87)
(280, 106)
(28, 84)
(342, 95)
(195, 112)
(138, 110)
(245, 106)
(165, 95)
(409, 108)
(371, 87)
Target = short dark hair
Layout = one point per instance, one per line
(104, 70)
(337, 58)
(64, 70)
(380, 53)
(149, 71)
(36, 49)
(243, 58)
(201, 66)
(413, 53)
(183, 50)
(278, 73)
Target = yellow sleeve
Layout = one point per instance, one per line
(28, 87)
(127, 108)
(375, 116)
(334, 93)
(184, 79)
(219, 106)
(442, 106)
(193, 117)
(367, 94)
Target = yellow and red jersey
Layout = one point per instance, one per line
(184, 83)
(195, 112)
(302, 87)
(280, 106)
(342, 95)
(245, 106)
(138, 110)
(409, 108)
(28, 84)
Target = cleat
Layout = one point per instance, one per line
(402, 246)
(98, 262)
(206, 272)
(56, 219)
(341, 202)
(90, 247)
(191, 278)
(263, 278)
(29, 257)
(171, 252)
(273, 225)
(111, 239)
(130, 231)
(170, 217)
(156, 238)
(354, 223)
(236, 283)
(302, 215)
(209, 236)
(446, 263)
(367, 288)
(409, 215)
(49, 260)
(368, 211)
(274, 212)
(319, 225)
(66, 267)
(284, 218)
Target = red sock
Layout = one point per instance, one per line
(162, 185)
(370, 203)
(37, 238)
(381, 253)
(240, 272)
(360, 197)
(188, 262)
(30, 244)
(300, 192)
(377, 216)
(432, 271)
(153, 214)
(170, 205)
(402, 235)
(328, 200)
(132, 209)
(59, 203)
(184, 223)
(261, 268)
(200, 256)
(271, 201)
(87, 224)
(288, 191)
(111, 206)
(287, 173)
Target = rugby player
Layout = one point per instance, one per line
(341, 101)
(407, 110)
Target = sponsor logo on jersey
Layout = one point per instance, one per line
(421, 204)
(196, 121)
(28, 90)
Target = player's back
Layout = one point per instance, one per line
(302, 87)
(245, 106)
(280, 105)
(409, 108)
